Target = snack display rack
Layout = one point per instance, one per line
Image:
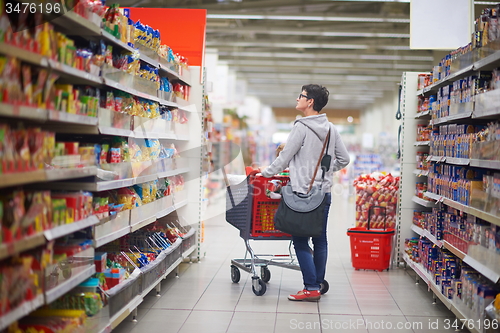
(125, 297)
(484, 262)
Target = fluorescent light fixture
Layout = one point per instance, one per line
(323, 56)
(325, 64)
(299, 32)
(292, 45)
(307, 18)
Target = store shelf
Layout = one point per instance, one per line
(21, 178)
(439, 159)
(116, 85)
(27, 243)
(419, 172)
(142, 223)
(423, 114)
(171, 173)
(116, 131)
(56, 292)
(484, 261)
(70, 173)
(457, 161)
(425, 276)
(421, 143)
(425, 233)
(180, 204)
(67, 229)
(22, 310)
(464, 208)
(110, 38)
(453, 118)
(165, 212)
(24, 55)
(485, 164)
(71, 118)
(125, 311)
(111, 237)
(422, 202)
(454, 250)
(82, 76)
(72, 22)
(20, 111)
(186, 253)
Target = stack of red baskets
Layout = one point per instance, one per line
(371, 248)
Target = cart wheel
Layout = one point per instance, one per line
(324, 287)
(261, 288)
(265, 274)
(235, 274)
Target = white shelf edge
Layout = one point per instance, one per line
(116, 41)
(422, 202)
(28, 243)
(65, 117)
(170, 173)
(421, 143)
(114, 184)
(67, 229)
(70, 173)
(118, 317)
(111, 237)
(77, 73)
(481, 268)
(165, 212)
(116, 131)
(132, 91)
(419, 172)
(142, 223)
(173, 266)
(186, 253)
(22, 310)
(180, 204)
(485, 164)
(56, 292)
(23, 111)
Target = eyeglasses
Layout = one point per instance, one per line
(301, 95)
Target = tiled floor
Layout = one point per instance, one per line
(203, 298)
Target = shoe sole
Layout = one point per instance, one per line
(307, 299)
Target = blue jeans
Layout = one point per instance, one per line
(313, 264)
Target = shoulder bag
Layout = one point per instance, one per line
(301, 214)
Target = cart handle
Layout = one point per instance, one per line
(370, 215)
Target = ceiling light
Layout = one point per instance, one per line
(324, 56)
(350, 119)
(306, 18)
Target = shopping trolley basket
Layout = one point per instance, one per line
(250, 210)
(371, 248)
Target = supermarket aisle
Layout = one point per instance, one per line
(203, 298)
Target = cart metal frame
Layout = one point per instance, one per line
(239, 203)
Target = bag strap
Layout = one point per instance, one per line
(327, 140)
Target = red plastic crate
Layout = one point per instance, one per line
(264, 208)
(371, 249)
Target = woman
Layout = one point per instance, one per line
(301, 154)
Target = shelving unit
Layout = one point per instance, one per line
(186, 204)
(485, 106)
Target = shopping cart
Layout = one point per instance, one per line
(250, 209)
(371, 248)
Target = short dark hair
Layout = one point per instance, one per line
(319, 93)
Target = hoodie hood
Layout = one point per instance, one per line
(318, 124)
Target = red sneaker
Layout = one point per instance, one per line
(306, 295)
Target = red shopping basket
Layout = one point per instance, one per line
(371, 249)
(264, 208)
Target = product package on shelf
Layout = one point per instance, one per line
(376, 190)
(463, 286)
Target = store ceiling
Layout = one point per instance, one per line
(358, 49)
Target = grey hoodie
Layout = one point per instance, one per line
(302, 151)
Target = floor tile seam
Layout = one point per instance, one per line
(350, 285)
